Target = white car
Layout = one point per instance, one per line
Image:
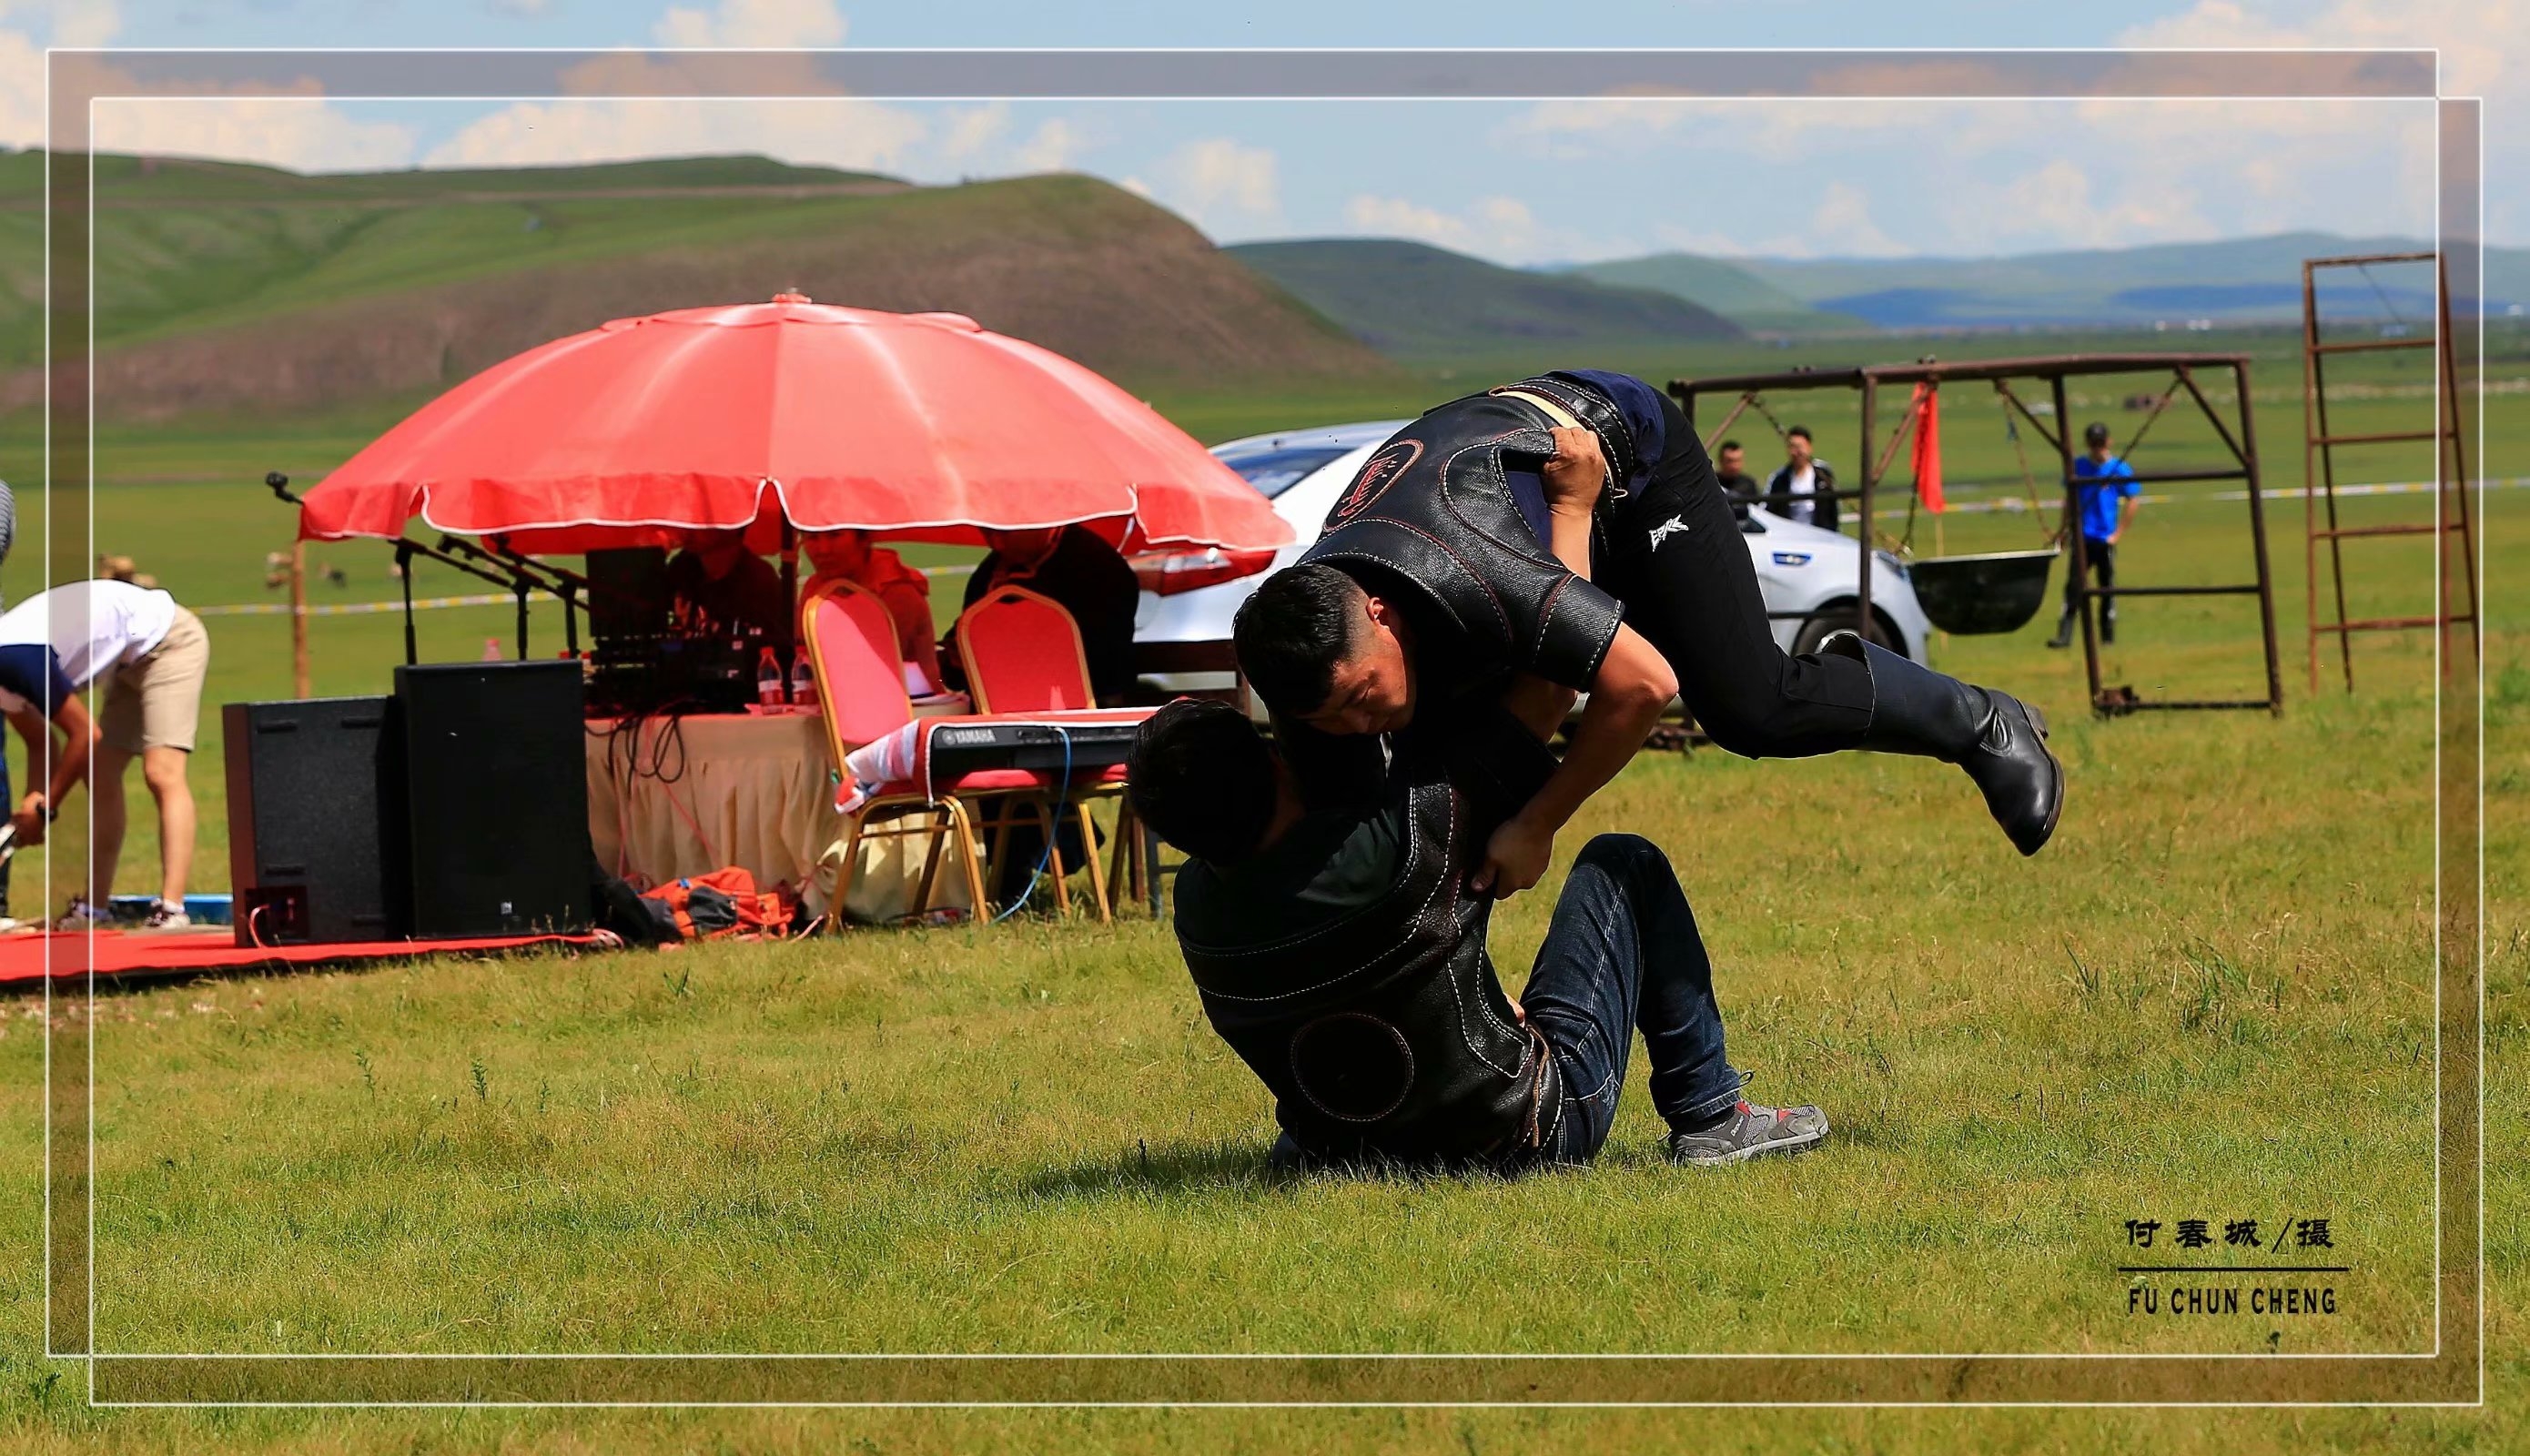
(1806, 575)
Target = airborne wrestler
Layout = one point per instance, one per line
(1464, 553)
(1340, 952)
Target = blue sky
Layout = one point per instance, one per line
(1521, 182)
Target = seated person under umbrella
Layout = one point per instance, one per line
(1088, 579)
(848, 556)
(726, 587)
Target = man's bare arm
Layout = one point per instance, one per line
(1573, 477)
(1540, 705)
(69, 763)
(1634, 684)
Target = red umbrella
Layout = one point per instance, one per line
(921, 426)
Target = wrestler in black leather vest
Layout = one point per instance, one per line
(1387, 1033)
(1430, 508)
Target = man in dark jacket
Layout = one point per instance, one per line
(1568, 526)
(1340, 952)
(1082, 575)
(1800, 491)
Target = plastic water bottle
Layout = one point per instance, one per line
(804, 681)
(768, 679)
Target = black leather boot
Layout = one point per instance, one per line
(2001, 740)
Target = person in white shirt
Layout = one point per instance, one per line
(1802, 489)
(149, 656)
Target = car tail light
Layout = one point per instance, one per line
(1166, 573)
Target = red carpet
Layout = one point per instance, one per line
(23, 957)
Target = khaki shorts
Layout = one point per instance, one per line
(156, 702)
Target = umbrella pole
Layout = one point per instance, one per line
(790, 592)
(403, 574)
(519, 587)
(298, 618)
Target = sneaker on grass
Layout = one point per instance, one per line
(164, 916)
(1749, 1131)
(82, 916)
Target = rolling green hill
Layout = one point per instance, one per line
(222, 287)
(1726, 288)
(2248, 280)
(1416, 303)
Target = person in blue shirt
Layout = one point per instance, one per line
(2105, 500)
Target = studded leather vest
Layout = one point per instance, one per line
(1430, 509)
(1387, 1033)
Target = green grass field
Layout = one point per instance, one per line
(2212, 998)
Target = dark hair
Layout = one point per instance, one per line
(2094, 433)
(1728, 444)
(1201, 776)
(1801, 430)
(1292, 631)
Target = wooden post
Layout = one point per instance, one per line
(298, 620)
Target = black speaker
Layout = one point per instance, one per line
(496, 798)
(313, 795)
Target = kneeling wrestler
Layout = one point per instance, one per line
(1340, 952)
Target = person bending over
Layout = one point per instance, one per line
(1342, 955)
(149, 656)
(35, 691)
(1569, 526)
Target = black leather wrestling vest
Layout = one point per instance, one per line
(1430, 509)
(1387, 1033)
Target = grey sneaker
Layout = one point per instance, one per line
(164, 916)
(82, 916)
(1749, 1132)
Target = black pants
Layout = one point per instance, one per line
(2103, 558)
(1673, 553)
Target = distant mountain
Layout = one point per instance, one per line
(223, 287)
(1726, 288)
(1413, 301)
(2249, 280)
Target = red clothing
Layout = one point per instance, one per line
(906, 592)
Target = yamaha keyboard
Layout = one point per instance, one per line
(1094, 743)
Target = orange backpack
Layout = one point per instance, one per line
(722, 906)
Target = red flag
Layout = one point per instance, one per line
(1928, 446)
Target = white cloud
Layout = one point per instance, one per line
(301, 133)
(22, 91)
(977, 141)
(65, 23)
(831, 131)
(1052, 147)
(769, 25)
(1842, 224)
(2465, 31)
(84, 23)
(1219, 185)
(1500, 229)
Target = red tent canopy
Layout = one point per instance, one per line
(921, 426)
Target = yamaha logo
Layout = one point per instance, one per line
(1377, 474)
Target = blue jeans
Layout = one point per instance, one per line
(1622, 953)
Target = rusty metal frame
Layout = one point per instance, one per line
(2051, 370)
(2319, 473)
